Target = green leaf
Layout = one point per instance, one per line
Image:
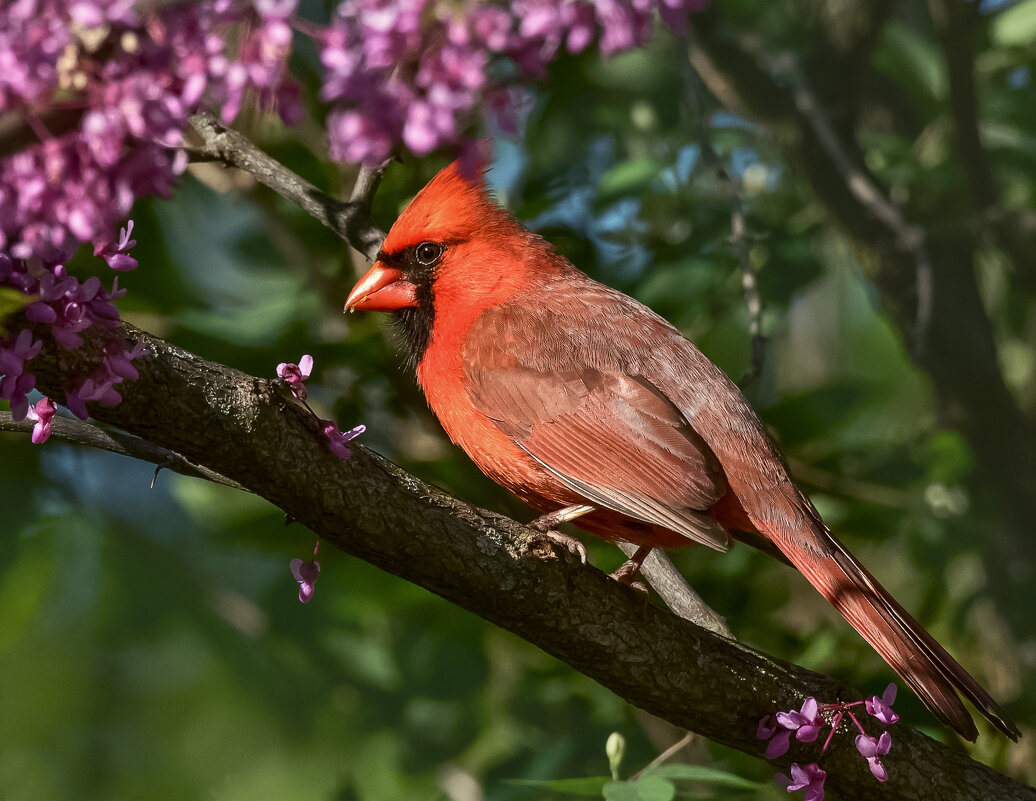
(620, 791)
(627, 178)
(908, 57)
(701, 773)
(1016, 26)
(646, 788)
(11, 302)
(591, 787)
(653, 788)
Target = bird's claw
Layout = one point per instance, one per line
(569, 543)
(627, 574)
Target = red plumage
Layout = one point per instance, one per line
(568, 392)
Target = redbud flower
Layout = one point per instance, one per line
(338, 440)
(306, 574)
(881, 708)
(767, 727)
(805, 723)
(15, 383)
(871, 749)
(117, 255)
(295, 374)
(41, 413)
(779, 744)
(809, 777)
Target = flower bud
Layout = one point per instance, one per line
(615, 748)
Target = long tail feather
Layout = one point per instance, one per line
(934, 675)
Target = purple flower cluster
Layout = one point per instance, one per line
(415, 71)
(67, 307)
(106, 87)
(134, 72)
(807, 723)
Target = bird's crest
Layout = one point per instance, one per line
(452, 207)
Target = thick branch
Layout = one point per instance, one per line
(248, 430)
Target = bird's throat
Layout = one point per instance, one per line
(415, 327)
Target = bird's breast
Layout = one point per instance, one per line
(442, 378)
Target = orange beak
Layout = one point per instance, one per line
(382, 288)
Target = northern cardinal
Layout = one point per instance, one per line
(585, 403)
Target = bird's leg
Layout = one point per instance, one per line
(547, 526)
(627, 573)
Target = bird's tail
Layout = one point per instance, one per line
(934, 676)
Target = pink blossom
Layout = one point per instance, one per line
(294, 375)
(41, 414)
(306, 573)
(808, 777)
(872, 750)
(15, 383)
(339, 440)
(809, 721)
(418, 72)
(805, 723)
(881, 708)
(117, 255)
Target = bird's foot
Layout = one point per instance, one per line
(627, 574)
(550, 521)
(565, 541)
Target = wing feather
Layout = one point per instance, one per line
(603, 431)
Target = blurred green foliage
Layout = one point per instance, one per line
(151, 642)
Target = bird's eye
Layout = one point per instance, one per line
(428, 253)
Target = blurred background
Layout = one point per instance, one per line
(151, 640)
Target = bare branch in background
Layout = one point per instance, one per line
(76, 432)
(348, 220)
(738, 228)
(925, 272)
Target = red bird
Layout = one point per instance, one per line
(586, 404)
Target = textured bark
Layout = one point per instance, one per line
(251, 431)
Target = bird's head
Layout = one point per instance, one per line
(452, 253)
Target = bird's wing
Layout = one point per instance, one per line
(608, 434)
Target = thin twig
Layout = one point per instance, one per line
(909, 238)
(77, 432)
(665, 755)
(677, 594)
(738, 227)
(367, 180)
(348, 220)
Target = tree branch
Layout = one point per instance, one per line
(738, 229)
(348, 220)
(246, 429)
(76, 432)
